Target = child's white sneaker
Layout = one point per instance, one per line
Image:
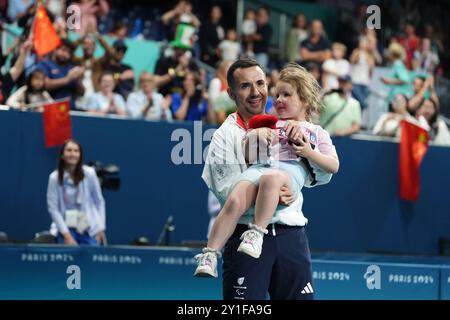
(207, 263)
(252, 241)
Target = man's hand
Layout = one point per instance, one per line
(75, 73)
(266, 135)
(286, 196)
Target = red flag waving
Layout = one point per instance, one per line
(413, 146)
(57, 124)
(45, 37)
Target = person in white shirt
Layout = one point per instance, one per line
(229, 48)
(335, 67)
(224, 164)
(106, 101)
(147, 103)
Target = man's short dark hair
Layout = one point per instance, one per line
(240, 64)
(68, 44)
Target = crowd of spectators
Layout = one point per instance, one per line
(181, 89)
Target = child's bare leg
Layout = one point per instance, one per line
(239, 201)
(268, 196)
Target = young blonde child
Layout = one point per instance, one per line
(297, 99)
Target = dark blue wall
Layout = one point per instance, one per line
(358, 211)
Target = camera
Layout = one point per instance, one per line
(108, 175)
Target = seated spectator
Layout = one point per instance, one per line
(189, 105)
(425, 60)
(341, 113)
(229, 48)
(211, 35)
(147, 103)
(399, 79)
(423, 88)
(438, 130)
(315, 49)
(32, 95)
(123, 73)
(335, 67)
(63, 78)
(74, 199)
(106, 101)
(172, 69)
(388, 124)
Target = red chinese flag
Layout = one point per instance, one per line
(45, 37)
(413, 146)
(57, 125)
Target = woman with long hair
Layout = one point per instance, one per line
(74, 198)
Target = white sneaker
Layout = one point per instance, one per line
(206, 264)
(252, 241)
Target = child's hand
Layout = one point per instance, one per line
(304, 149)
(293, 131)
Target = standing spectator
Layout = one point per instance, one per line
(123, 73)
(248, 30)
(63, 78)
(229, 48)
(119, 31)
(373, 46)
(32, 95)
(341, 113)
(93, 67)
(410, 42)
(211, 34)
(89, 11)
(172, 69)
(106, 101)
(261, 39)
(182, 13)
(190, 105)
(147, 103)
(315, 49)
(18, 8)
(295, 37)
(335, 67)
(425, 60)
(9, 79)
(218, 96)
(362, 63)
(436, 40)
(399, 78)
(74, 199)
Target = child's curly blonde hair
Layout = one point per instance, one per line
(306, 86)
